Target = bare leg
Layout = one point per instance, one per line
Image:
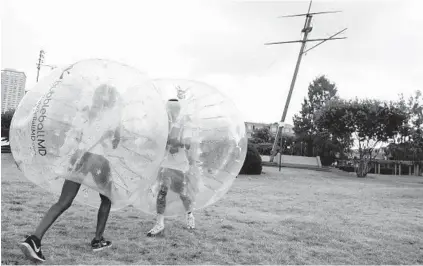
(103, 215)
(69, 191)
(99, 167)
(161, 199)
(160, 208)
(186, 200)
(188, 204)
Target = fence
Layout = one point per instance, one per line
(387, 167)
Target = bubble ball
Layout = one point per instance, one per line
(96, 122)
(205, 151)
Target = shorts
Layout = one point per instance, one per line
(173, 179)
(97, 165)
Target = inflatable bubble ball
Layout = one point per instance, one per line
(205, 149)
(96, 122)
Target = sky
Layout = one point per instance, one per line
(222, 43)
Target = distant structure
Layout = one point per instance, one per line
(305, 32)
(12, 88)
(288, 129)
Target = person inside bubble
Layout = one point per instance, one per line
(174, 173)
(103, 116)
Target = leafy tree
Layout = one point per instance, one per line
(408, 142)
(317, 140)
(6, 120)
(366, 122)
(262, 135)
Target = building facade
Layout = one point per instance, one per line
(12, 88)
(288, 130)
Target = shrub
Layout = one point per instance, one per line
(252, 163)
(327, 160)
(6, 119)
(264, 148)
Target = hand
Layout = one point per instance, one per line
(115, 142)
(173, 149)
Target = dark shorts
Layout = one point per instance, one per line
(173, 179)
(97, 165)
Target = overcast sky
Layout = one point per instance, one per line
(222, 43)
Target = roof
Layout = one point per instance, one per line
(12, 70)
(269, 124)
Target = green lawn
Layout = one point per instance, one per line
(292, 217)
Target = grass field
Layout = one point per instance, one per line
(292, 217)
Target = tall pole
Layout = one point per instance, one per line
(306, 31)
(40, 60)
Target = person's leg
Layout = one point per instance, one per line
(99, 243)
(181, 187)
(190, 219)
(99, 167)
(160, 208)
(31, 247)
(69, 191)
(103, 215)
(160, 204)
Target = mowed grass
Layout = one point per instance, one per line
(293, 217)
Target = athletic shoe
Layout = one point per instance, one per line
(31, 247)
(101, 244)
(190, 221)
(156, 230)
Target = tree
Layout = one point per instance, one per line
(317, 140)
(366, 122)
(408, 142)
(6, 120)
(262, 135)
(262, 140)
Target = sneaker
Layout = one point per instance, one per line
(101, 244)
(31, 247)
(156, 230)
(190, 221)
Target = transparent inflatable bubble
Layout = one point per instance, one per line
(96, 122)
(206, 149)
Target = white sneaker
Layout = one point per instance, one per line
(190, 221)
(156, 230)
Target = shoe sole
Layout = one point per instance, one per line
(100, 249)
(29, 252)
(160, 233)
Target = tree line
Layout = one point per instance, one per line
(330, 127)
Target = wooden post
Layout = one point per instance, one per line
(417, 172)
(378, 166)
(375, 168)
(399, 169)
(409, 170)
(395, 169)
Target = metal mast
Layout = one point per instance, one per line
(306, 30)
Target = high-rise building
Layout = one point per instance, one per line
(12, 88)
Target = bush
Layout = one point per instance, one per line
(252, 163)
(327, 160)
(264, 148)
(6, 119)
